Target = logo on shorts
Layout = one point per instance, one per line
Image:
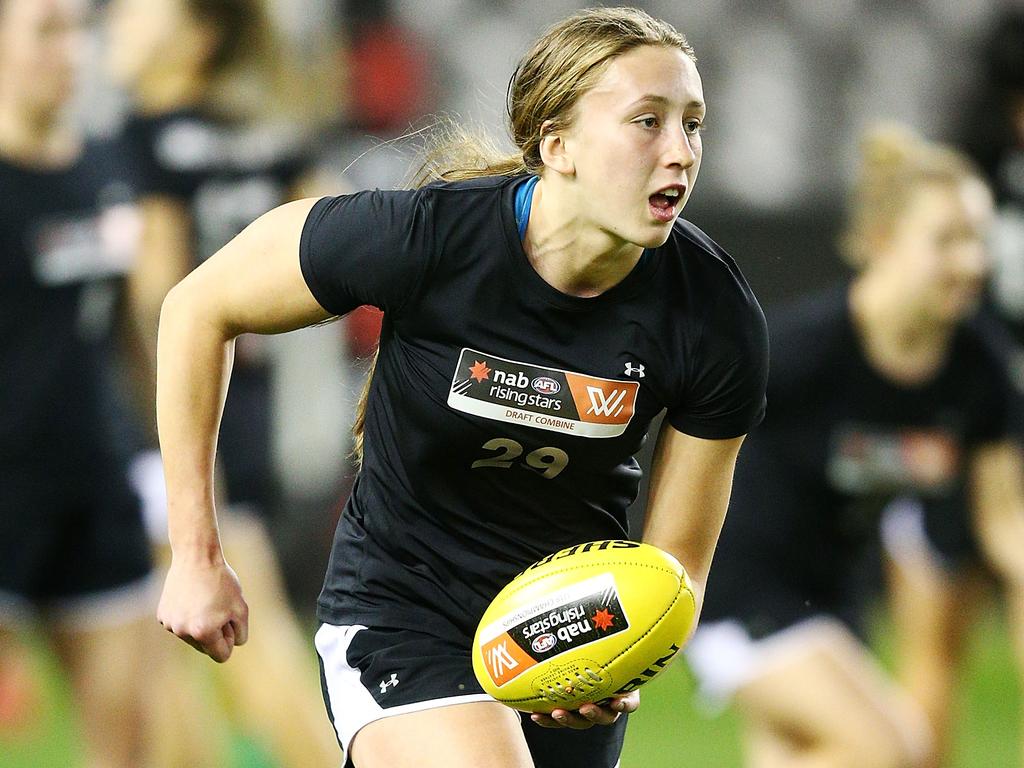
(546, 398)
(385, 684)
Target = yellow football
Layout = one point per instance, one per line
(583, 624)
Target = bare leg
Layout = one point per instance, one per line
(185, 725)
(458, 736)
(931, 611)
(107, 669)
(19, 688)
(1015, 613)
(767, 748)
(275, 672)
(826, 704)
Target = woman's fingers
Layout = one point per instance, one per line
(589, 715)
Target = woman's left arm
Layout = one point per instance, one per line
(691, 480)
(997, 496)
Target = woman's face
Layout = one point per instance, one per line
(938, 245)
(41, 45)
(635, 144)
(145, 38)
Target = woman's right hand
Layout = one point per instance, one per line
(202, 604)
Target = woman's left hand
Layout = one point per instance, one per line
(589, 715)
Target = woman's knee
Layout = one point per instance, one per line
(830, 708)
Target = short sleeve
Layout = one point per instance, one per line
(372, 247)
(150, 175)
(1001, 414)
(1001, 406)
(724, 391)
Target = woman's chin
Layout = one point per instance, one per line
(656, 237)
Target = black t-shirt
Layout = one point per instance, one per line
(839, 443)
(67, 237)
(504, 415)
(226, 174)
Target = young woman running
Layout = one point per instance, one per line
(539, 310)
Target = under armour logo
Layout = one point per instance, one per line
(385, 684)
(637, 369)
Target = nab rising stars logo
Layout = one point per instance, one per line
(546, 398)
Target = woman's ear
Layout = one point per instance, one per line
(554, 151)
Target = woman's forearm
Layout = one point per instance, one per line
(997, 475)
(252, 285)
(194, 357)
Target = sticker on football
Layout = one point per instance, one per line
(583, 624)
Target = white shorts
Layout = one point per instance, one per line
(724, 658)
(81, 613)
(347, 689)
(904, 537)
(368, 674)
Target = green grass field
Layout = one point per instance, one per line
(674, 733)
(669, 732)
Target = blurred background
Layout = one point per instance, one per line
(790, 85)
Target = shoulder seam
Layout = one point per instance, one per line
(430, 263)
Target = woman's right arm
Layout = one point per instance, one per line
(252, 285)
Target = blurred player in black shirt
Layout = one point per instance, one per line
(213, 144)
(540, 310)
(216, 139)
(879, 389)
(993, 133)
(73, 552)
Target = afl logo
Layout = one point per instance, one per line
(546, 385)
(543, 643)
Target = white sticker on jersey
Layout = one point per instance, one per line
(545, 398)
(866, 459)
(75, 249)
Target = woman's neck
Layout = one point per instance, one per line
(900, 340)
(571, 254)
(37, 140)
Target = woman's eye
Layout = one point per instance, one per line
(692, 126)
(649, 122)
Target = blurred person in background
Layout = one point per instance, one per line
(74, 557)
(535, 257)
(993, 134)
(878, 389)
(220, 134)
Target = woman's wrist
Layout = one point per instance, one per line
(198, 554)
(197, 543)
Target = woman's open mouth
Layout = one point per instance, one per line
(664, 204)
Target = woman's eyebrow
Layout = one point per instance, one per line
(653, 98)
